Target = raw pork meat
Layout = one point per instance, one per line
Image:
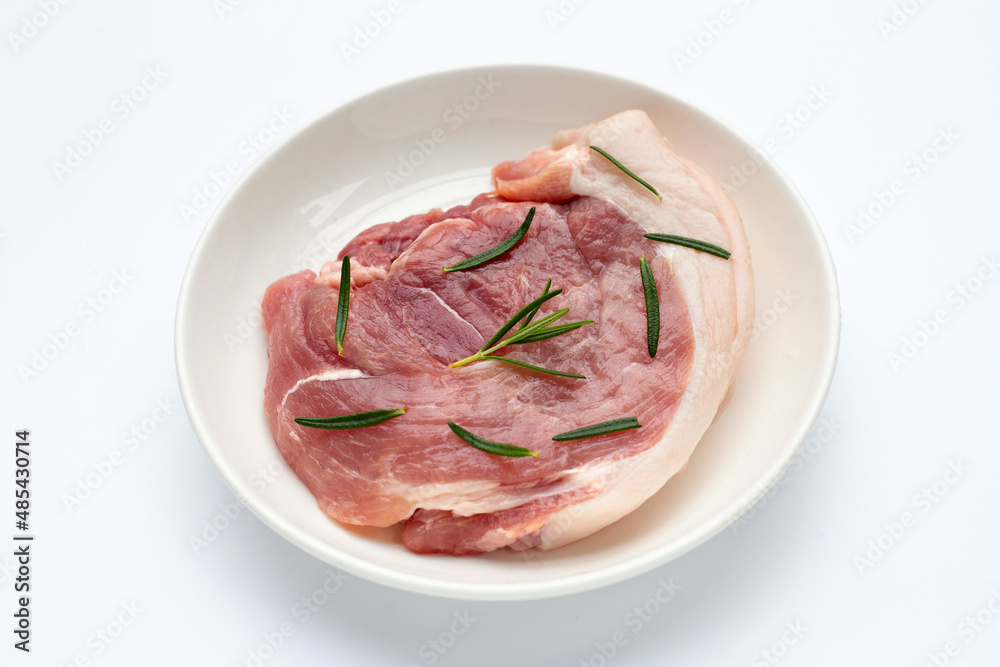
(409, 320)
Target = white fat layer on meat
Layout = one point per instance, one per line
(694, 205)
(325, 376)
(468, 498)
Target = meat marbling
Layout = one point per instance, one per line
(409, 320)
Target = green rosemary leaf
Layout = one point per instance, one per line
(496, 250)
(488, 446)
(623, 168)
(534, 305)
(691, 243)
(536, 368)
(536, 326)
(603, 428)
(535, 331)
(652, 307)
(552, 332)
(534, 312)
(357, 420)
(343, 302)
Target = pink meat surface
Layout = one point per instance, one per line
(409, 320)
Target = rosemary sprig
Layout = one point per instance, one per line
(536, 368)
(488, 446)
(603, 428)
(496, 250)
(531, 315)
(703, 246)
(530, 309)
(652, 307)
(538, 330)
(623, 168)
(357, 420)
(343, 302)
(552, 332)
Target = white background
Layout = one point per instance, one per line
(881, 94)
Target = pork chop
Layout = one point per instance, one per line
(409, 320)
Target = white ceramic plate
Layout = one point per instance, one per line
(431, 142)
